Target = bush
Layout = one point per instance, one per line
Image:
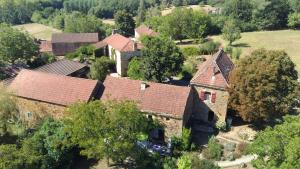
(101, 68)
(294, 21)
(186, 138)
(209, 48)
(190, 51)
(236, 53)
(221, 125)
(214, 150)
(242, 148)
(135, 70)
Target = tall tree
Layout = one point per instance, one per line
(263, 86)
(231, 32)
(16, 45)
(278, 147)
(125, 23)
(238, 9)
(161, 58)
(141, 13)
(270, 14)
(107, 129)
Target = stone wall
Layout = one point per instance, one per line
(32, 111)
(172, 126)
(202, 108)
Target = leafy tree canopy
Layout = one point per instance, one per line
(278, 147)
(231, 32)
(263, 85)
(107, 129)
(101, 68)
(135, 69)
(125, 23)
(16, 45)
(161, 58)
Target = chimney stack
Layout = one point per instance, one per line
(114, 31)
(135, 46)
(143, 86)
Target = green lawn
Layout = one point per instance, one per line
(38, 31)
(288, 40)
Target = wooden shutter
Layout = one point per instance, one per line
(213, 97)
(202, 95)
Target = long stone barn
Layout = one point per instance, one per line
(42, 94)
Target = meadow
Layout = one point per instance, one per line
(38, 31)
(288, 40)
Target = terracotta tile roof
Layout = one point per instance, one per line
(161, 99)
(46, 46)
(75, 38)
(118, 42)
(51, 88)
(62, 67)
(214, 71)
(144, 30)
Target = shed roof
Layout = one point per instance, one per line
(52, 88)
(62, 67)
(75, 38)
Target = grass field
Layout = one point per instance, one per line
(38, 31)
(288, 40)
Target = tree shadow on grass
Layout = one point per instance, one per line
(244, 45)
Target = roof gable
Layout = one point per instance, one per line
(51, 88)
(157, 98)
(214, 71)
(144, 30)
(118, 42)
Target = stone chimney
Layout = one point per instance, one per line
(114, 31)
(143, 86)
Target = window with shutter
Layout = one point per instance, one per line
(213, 97)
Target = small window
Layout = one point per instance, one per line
(29, 114)
(207, 95)
(167, 119)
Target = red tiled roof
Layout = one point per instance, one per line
(214, 71)
(75, 38)
(118, 42)
(157, 98)
(144, 30)
(46, 46)
(51, 88)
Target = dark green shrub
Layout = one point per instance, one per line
(190, 51)
(213, 150)
(209, 48)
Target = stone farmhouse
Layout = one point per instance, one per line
(169, 104)
(42, 94)
(120, 49)
(63, 43)
(210, 83)
(143, 30)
